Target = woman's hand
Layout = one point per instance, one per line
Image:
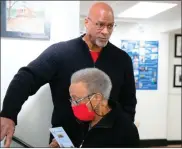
(54, 144)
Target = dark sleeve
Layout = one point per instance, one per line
(28, 80)
(132, 141)
(128, 91)
(132, 138)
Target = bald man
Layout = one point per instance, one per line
(56, 65)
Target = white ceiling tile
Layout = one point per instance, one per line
(120, 6)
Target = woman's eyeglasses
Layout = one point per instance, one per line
(77, 101)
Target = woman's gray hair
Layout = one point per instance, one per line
(96, 80)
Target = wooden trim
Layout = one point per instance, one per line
(174, 142)
(159, 142)
(153, 143)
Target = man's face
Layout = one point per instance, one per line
(99, 28)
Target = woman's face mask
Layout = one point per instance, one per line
(82, 112)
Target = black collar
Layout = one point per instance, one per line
(80, 38)
(108, 120)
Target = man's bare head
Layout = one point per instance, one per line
(99, 8)
(99, 24)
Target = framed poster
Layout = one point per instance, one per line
(177, 46)
(144, 55)
(24, 19)
(177, 81)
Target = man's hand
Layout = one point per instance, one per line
(54, 144)
(7, 130)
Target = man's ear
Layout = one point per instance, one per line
(86, 23)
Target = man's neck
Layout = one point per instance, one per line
(91, 46)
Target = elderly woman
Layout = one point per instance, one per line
(104, 123)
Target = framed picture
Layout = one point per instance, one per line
(24, 19)
(177, 45)
(177, 82)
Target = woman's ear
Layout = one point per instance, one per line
(99, 96)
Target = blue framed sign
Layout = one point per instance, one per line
(144, 55)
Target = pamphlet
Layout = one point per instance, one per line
(61, 137)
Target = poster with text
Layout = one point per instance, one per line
(144, 55)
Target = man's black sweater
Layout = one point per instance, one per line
(55, 66)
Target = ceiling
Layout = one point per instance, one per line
(120, 6)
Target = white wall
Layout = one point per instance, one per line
(174, 95)
(34, 120)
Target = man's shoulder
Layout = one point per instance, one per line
(63, 46)
(118, 52)
(65, 43)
